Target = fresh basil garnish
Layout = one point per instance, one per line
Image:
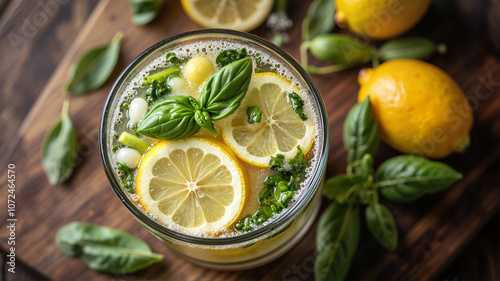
(144, 10)
(254, 114)
(229, 56)
(94, 68)
(224, 91)
(381, 224)
(59, 150)
(320, 19)
(179, 117)
(336, 241)
(171, 119)
(297, 105)
(105, 249)
(172, 57)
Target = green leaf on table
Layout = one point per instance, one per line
(336, 241)
(382, 226)
(320, 19)
(94, 68)
(408, 177)
(59, 151)
(224, 90)
(145, 10)
(105, 249)
(340, 187)
(361, 134)
(418, 48)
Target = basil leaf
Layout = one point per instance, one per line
(59, 150)
(361, 134)
(94, 67)
(340, 187)
(173, 118)
(224, 91)
(340, 49)
(320, 19)
(381, 224)
(228, 56)
(409, 47)
(336, 241)
(297, 105)
(104, 248)
(144, 10)
(408, 177)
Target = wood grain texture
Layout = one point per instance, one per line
(35, 36)
(433, 229)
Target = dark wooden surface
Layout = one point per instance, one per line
(433, 230)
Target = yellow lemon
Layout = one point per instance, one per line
(196, 185)
(243, 15)
(280, 130)
(420, 108)
(380, 19)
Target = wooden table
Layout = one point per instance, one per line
(433, 230)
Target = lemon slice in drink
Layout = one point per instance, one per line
(280, 129)
(243, 15)
(196, 184)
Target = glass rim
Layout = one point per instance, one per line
(277, 223)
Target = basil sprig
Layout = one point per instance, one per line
(59, 150)
(94, 68)
(224, 91)
(105, 249)
(403, 178)
(179, 117)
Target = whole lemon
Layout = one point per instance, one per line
(379, 19)
(419, 107)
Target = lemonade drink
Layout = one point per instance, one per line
(226, 185)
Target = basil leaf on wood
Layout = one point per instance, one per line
(94, 67)
(144, 10)
(336, 241)
(173, 118)
(409, 48)
(320, 19)
(361, 134)
(224, 91)
(59, 150)
(340, 187)
(381, 224)
(105, 249)
(408, 177)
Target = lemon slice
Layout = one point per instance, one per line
(243, 15)
(280, 129)
(196, 184)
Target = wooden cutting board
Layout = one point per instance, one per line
(432, 230)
